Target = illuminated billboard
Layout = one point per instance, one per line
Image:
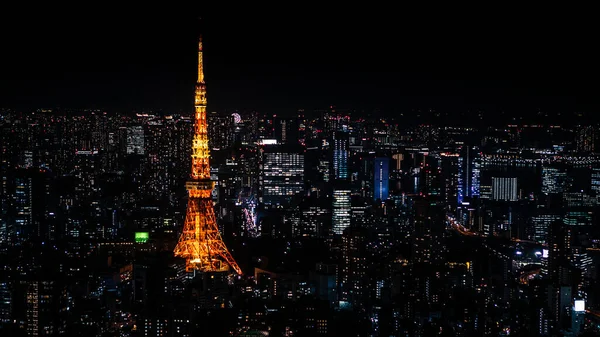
(267, 141)
(141, 237)
(579, 306)
(545, 253)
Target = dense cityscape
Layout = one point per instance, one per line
(331, 222)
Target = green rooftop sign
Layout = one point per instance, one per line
(141, 237)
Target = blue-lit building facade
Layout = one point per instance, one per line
(381, 179)
(340, 155)
(469, 166)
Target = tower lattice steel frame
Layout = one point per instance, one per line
(200, 242)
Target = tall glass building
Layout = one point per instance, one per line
(381, 178)
(341, 214)
(341, 146)
(281, 174)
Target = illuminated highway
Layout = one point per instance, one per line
(593, 313)
(524, 278)
(459, 228)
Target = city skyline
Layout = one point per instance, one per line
(363, 213)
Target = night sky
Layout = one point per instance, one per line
(281, 60)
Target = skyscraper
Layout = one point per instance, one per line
(135, 139)
(281, 174)
(586, 138)
(595, 179)
(381, 178)
(341, 214)
(341, 146)
(559, 245)
(504, 189)
(469, 167)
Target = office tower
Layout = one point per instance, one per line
(219, 130)
(334, 121)
(541, 223)
(577, 316)
(159, 144)
(469, 168)
(429, 231)
(586, 138)
(381, 182)
(315, 218)
(340, 155)
(281, 174)
(559, 246)
(354, 266)
(5, 301)
(504, 189)
(45, 303)
(287, 130)
(23, 220)
(27, 215)
(559, 297)
(583, 262)
(450, 176)
(595, 180)
(200, 242)
(554, 180)
(135, 140)
(431, 179)
(341, 213)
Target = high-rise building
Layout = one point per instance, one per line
(450, 175)
(381, 181)
(540, 225)
(281, 175)
(315, 218)
(577, 316)
(430, 182)
(504, 189)
(595, 181)
(469, 168)
(45, 302)
(559, 246)
(341, 214)
(135, 139)
(5, 302)
(85, 172)
(219, 130)
(23, 225)
(429, 231)
(287, 130)
(341, 153)
(354, 285)
(554, 180)
(27, 213)
(586, 138)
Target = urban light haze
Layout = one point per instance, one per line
(286, 173)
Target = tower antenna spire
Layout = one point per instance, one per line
(200, 58)
(200, 61)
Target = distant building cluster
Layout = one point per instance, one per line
(343, 222)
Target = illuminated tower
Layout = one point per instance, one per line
(200, 242)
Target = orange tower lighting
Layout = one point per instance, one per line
(200, 242)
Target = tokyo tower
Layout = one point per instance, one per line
(200, 242)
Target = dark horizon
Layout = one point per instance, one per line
(132, 61)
